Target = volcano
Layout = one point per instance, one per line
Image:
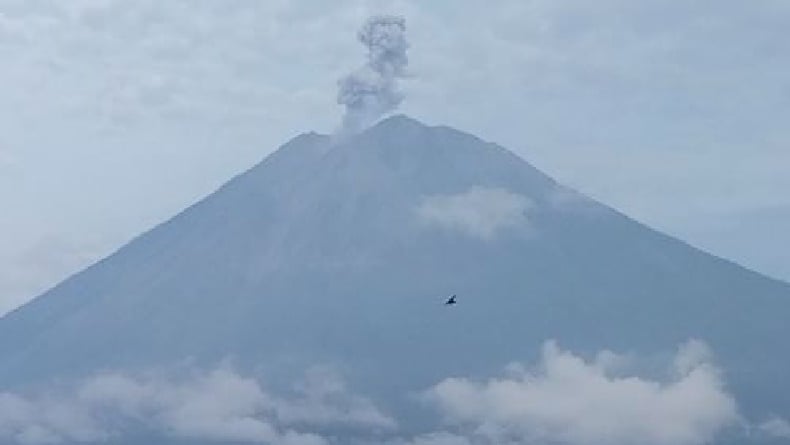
(344, 250)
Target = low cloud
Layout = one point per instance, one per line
(46, 420)
(563, 400)
(567, 400)
(480, 212)
(219, 405)
(324, 400)
(776, 427)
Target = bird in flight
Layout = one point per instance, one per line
(451, 300)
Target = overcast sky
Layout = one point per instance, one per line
(116, 114)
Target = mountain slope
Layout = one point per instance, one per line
(341, 252)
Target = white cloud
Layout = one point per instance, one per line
(564, 400)
(217, 405)
(45, 420)
(480, 211)
(775, 427)
(324, 400)
(568, 400)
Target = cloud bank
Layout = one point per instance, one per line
(219, 405)
(563, 400)
(776, 427)
(479, 212)
(567, 400)
(372, 90)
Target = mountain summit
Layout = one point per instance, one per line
(343, 251)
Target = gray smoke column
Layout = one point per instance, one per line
(372, 90)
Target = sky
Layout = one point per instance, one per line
(117, 114)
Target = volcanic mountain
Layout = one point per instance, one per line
(344, 251)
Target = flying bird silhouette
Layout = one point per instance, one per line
(451, 300)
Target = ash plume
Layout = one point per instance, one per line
(372, 90)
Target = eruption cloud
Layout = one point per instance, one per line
(372, 90)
